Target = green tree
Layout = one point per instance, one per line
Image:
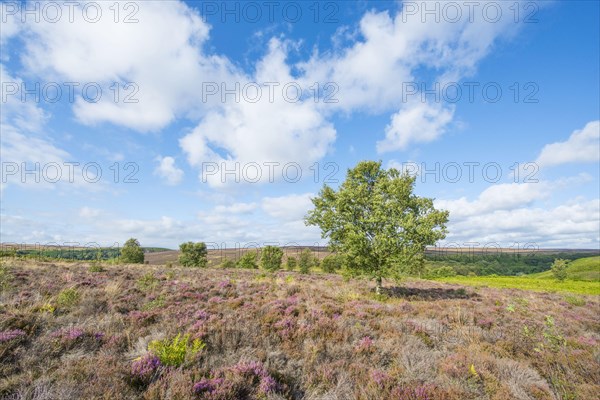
(271, 258)
(248, 260)
(306, 261)
(559, 269)
(291, 263)
(377, 223)
(193, 254)
(132, 252)
(332, 263)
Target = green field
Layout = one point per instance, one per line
(583, 269)
(527, 283)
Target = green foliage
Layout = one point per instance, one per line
(332, 263)
(271, 258)
(68, 297)
(527, 283)
(132, 252)
(228, 263)
(5, 277)
(156, 303)
(95, 267)
(147, 282)
(441, 272)
(575, 300)
(175, 351)
(559, 269)
(248, 260)
(376, 221)
(306, 261)
(291, 263)
(193, 254)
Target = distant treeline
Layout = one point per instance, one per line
(500, 263)
(69, 253)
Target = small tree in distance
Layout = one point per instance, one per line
(291, 263)
(306, 261)
(271, 258)
(376, 222)
(559, 269)
(248, 260)
(193, 254)
(132, 252)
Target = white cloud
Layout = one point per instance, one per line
(291, 207)
(270, 130)
(87, 212)
(236, 208)
(167, 65)
(167, 170)
(581, 147)
(418, 123)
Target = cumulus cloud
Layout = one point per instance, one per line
(167, 170)
(290, 207)
(419, 123)
(582, 146)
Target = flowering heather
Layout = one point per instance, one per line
(6, 336)
(145, 367)
(207, 385)
(304, 337)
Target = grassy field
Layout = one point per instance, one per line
(527, 283)
(78, 330)
(584, 269)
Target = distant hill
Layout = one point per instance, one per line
(582, 269)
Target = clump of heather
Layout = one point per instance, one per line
(208, 386)
(420, 392)
(145, 368)
(365, 345)
(68, 335)
(7, 336)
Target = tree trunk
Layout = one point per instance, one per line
(378, 285)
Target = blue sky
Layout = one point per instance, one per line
(379, 81)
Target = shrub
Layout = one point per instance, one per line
(95, 267)
(175, 351)
(68, 297)
(248, 260)
(291, 263)
(306, 261)
(147, 281)
(193, 254)
(132, 252)
(271, 258)
(332, 263)
(442, 272)
(227, 263)
(559, 269)
(145, 368)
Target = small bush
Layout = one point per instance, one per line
(332, 263)
(147, 281)
(95, 268)
(291, 263)
(559, 269)
(175, 351)
(68, 297)
(575, 300)
(271, 258)
(306, 261)
(248, 260)
(227, 263)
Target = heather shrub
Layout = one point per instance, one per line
(144, 369)
(271, 258)
(95, 267)
(175, 351)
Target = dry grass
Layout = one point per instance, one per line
(67, 332)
